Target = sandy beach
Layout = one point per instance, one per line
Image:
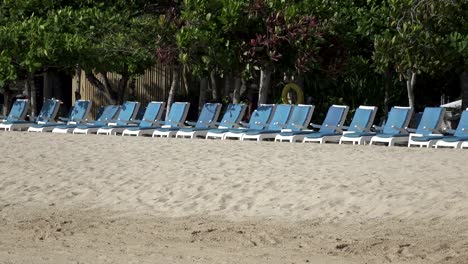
(108, 199)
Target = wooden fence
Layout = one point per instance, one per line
(153, 85)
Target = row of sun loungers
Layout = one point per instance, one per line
(282, 123)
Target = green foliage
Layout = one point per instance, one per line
(416, 35)
(96, 35)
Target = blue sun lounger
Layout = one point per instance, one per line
(151, 119)
(297, 121)
(335, 117)
(428, 130)
(18, 111)
(395, 127)
(108, 114)
(105, 113)
(47, 114)
(460, 135)
(77, 115)
(362, 121)
(207, 119)
(175, 118)
(230, 119)
(258, 120)
(153, 112)
(277, 122)
(125, 112)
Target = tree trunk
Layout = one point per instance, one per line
(31, 94)
(184, 78)
(387, 84)
(202, 98)
(214, 87)
(172, 91)
(237, 90)
(265, 78)
(78, 83)
(103, 87)
(227, 85)
(6, 99)
(131, 89)
(410, 89)
(464, 88)
(122, 88)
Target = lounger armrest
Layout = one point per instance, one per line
(449, 131)
(261, 124)
(155, 122)
(226, 124)
(64, 119)
(434, 131)
(209, 123)
(298, 126)
(337, 128)
(364, 129)
(377, 128)
(411, 130)
(244, 124)
(280, 125)
(130, 122)
(315, 125)
(170, 123)
(3, 117)
(43, 119)
(401, 130)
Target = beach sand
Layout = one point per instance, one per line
(108, 199)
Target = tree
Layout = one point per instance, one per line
(415, 39)
(99, 36)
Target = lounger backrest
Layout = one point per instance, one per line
(209, 115)
(335, 117)
(80, 110)
(300, 117)
(261, 116)
(280, 117)
(108, 113)
(430, 120)
(177, 114)
(153, 112)
(233, 115)
(363, 118)
(462, 128)
(127, 112)
(398, 117)
(49, 110)
(18, 111)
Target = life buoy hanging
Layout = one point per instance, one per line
(296, 88)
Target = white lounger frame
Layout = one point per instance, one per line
(204, 133)
(51, 128)
(261, 137)
(222, 136)
(300, 138)
(155, 133)
(114, 130)
(391, 141)
(336, 138)
(367, 139)
(26, 125)
(157, 120)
